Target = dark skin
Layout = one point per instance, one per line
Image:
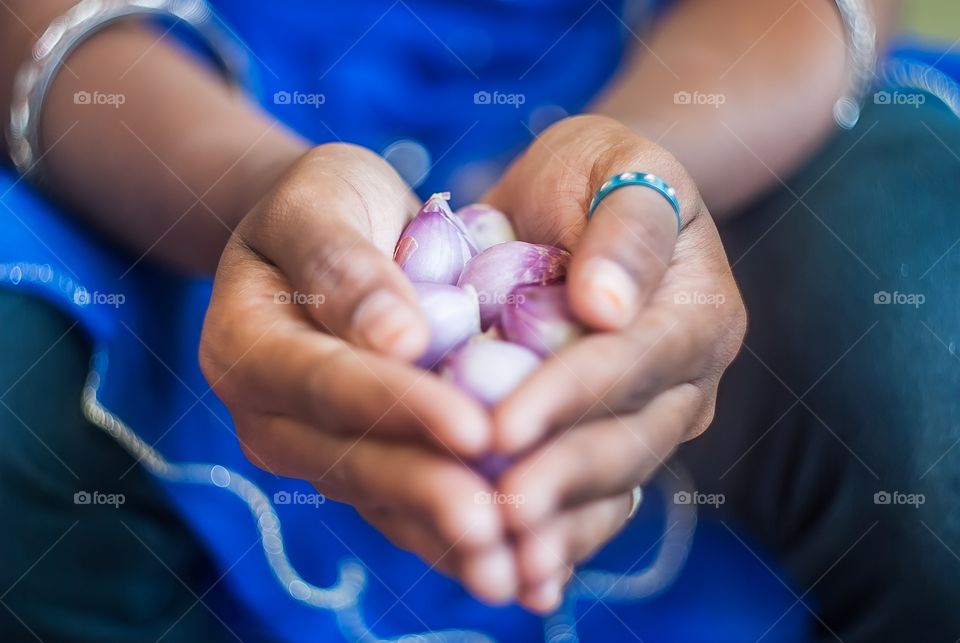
(327, 393)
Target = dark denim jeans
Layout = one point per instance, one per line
(99, 573)
(837, 437)
(841, 413)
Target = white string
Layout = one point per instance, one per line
(344, 596)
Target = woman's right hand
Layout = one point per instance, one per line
(308, 340)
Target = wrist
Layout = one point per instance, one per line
(257, 172)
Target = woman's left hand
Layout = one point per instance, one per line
(600, 416)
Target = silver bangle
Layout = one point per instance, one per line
(861, 31)
(67, 32)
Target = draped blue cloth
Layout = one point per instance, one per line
(421, 71)
(450, 91)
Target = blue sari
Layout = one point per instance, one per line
(449, 92)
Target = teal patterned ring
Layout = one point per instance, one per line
(651, 181)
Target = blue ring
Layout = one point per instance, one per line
(651, 181)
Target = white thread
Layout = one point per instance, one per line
(343, 598)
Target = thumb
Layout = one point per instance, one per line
(622, 256)
(351, 288)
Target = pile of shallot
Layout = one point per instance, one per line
(496, 306)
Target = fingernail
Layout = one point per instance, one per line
(483, 526)
(493, 578)
(386, 323)
(612, 291)
(546, 598)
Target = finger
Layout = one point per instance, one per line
(547, 597)
(621, 257)
(367, 472)
(546, 556)
(488, 574)
(605, 458)
(268, 357)
(319, 237)
(666, 346)
(408, 533)
(353, 391)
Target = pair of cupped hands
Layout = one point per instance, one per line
(324, 388)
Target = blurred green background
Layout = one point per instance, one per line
(939, 19)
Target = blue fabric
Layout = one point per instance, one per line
(387, 71)
(393, 71)
(942, 58)
(160, 392)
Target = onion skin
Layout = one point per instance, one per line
(488, 369)
(487, 225)
(453, 315)
(498, 270)
(539, 317)
(435, 245)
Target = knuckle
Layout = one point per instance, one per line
(255, 443)
(211, 366)
(736, 323)
(570, 129)
(325, 383)
(740, 319)
(346, 152)
(450, 513)
(269, 220)
(681, 340)
(705, 419)
(456, 523)
(446, 520)
(214, 358)
(346, 472)
(341, 270)
(611, 381)
(699, 411)
(335, 477)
